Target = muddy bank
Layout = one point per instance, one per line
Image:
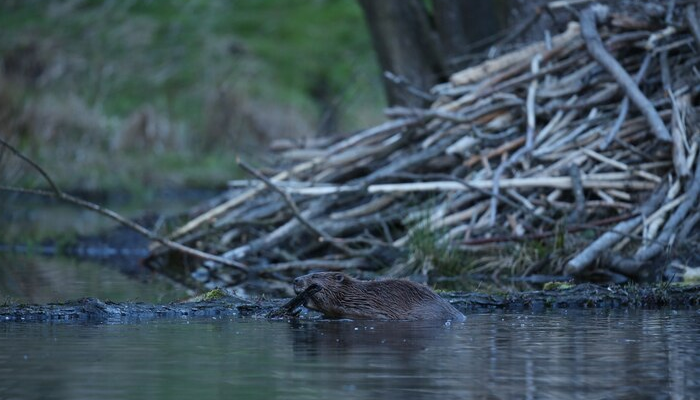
(213, 305)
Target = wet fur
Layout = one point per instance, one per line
(342, 296)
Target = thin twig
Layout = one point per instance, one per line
(497, 177)
(692, 194)
(578, 214)
(34, 165)
(481, 190)
(385, 128)
(593, 225)
(586, 257)
(295, 209)
(531, 93)
(287, 310)
(670, 7)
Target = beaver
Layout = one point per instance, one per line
(341, 296)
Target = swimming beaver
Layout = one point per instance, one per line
(341, 296)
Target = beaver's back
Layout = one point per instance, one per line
(342, 296)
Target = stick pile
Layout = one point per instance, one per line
(593, 129)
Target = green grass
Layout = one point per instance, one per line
(104, 62)
(427, 252)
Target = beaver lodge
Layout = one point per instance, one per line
(575, 156)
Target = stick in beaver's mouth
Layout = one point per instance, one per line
(287, 310)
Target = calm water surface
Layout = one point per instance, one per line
(28, 277)
(557, 355)
(36, 279)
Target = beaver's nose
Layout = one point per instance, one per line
(297, 281)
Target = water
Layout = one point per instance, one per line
(35, 280)
(556, 355)
(28, 277)
(582, 354)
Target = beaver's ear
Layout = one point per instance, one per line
(339, 277)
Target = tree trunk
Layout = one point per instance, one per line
(422, 49)
(461, 23)
(406, 46)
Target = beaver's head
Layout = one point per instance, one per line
(334, 287)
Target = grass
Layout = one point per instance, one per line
(141, 93)
(429, 250)
(8, 301)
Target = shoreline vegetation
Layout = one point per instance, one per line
(573, 157)
(171, 91)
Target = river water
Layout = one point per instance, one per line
(32, 279)
(588, 354)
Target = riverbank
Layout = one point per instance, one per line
(216, 304)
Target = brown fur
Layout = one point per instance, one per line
(342, 296)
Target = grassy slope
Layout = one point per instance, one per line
(141, 93)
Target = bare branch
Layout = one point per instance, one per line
(59, 194)
(295, 209)
(597, 50)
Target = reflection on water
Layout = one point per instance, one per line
(34, 279)
(28, 220)
(586, 354)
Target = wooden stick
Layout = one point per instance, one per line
(387, 127)
(468, 186)
(565, 3)
(589, 204)
(666, 82)
(589, 32)
(604, 96)
(608, 180)
(687, 226)
(295, 209)
(680, 110)
(560, 182)
(586, 257)
(364, 209)
(603, 195)
(530, 104)
(657, 36)
(578, 214)
(691, 18)
(655, 220)
(692, 194)
(287, 310)
(556, 142)
(595, 225)
(476, 73)
(625, 106)
(619, 194)
(496, 178)
(505, 147)
(236, 201)
(620, 166)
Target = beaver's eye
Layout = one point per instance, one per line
(339, 277)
